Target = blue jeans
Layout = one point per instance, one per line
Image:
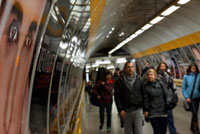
(195, 108)
(170, 120)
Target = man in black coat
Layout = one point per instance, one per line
(129, 99)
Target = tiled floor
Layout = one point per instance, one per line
(90, 122)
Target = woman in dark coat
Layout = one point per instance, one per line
(154, 103)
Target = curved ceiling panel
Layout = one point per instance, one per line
(183, 22)
(120, 19)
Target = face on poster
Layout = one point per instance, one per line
(196, 54)
(19, 21)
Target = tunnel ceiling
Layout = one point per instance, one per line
(124, 18)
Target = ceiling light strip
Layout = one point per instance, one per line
(157, 19)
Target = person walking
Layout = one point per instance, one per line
(191, 82)
(129, 99)
(103, 89)
(154, 103)
(116, 74)
(169, 83)
(115, 77)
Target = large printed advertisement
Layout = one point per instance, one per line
(19, 22)
(177, 59)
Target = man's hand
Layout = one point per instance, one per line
(146, 114)
(123, 114)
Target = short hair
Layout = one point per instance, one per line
(152, 71)
(158, 68)
(128, 62)
(188, 70)
(117, 69)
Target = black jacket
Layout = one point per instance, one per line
(154, 98)
(126, 98)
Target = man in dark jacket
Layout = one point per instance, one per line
(129, 99)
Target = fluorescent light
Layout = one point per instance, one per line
(110, 67)
(103, 62)
(139, 31)
(156, 20)
(121, 60)
(63, 45)
(121, 34)
(170, 10)
(147, 26)
(95, 65)
(113, 29)
(123, 43)
(87, 67)
(87, 71)
(181, 2)
(110, 52)
(133, 36)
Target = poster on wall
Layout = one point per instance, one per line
(196, 52)
(19, 23)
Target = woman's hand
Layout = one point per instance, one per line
(98, 96)
(146, 114)
(188, 100)
(103, 83)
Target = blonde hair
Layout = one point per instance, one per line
(152, 71)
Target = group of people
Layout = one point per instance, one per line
(139, 98)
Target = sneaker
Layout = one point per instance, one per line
(100, 127)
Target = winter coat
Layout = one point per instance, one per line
(167, 80)
(128, 98)
(154, 98)
(105, 91)
(187, 85)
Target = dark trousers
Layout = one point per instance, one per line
(195, 108)
(108, 107)
(159, 125)
(170, 120)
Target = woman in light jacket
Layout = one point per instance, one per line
(187, 86)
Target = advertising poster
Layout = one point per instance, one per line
(19, 22)
(196, 53)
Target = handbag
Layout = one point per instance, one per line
(94, 100)
(188, 106)
(171, 99)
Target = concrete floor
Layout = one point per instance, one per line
(90, 122)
